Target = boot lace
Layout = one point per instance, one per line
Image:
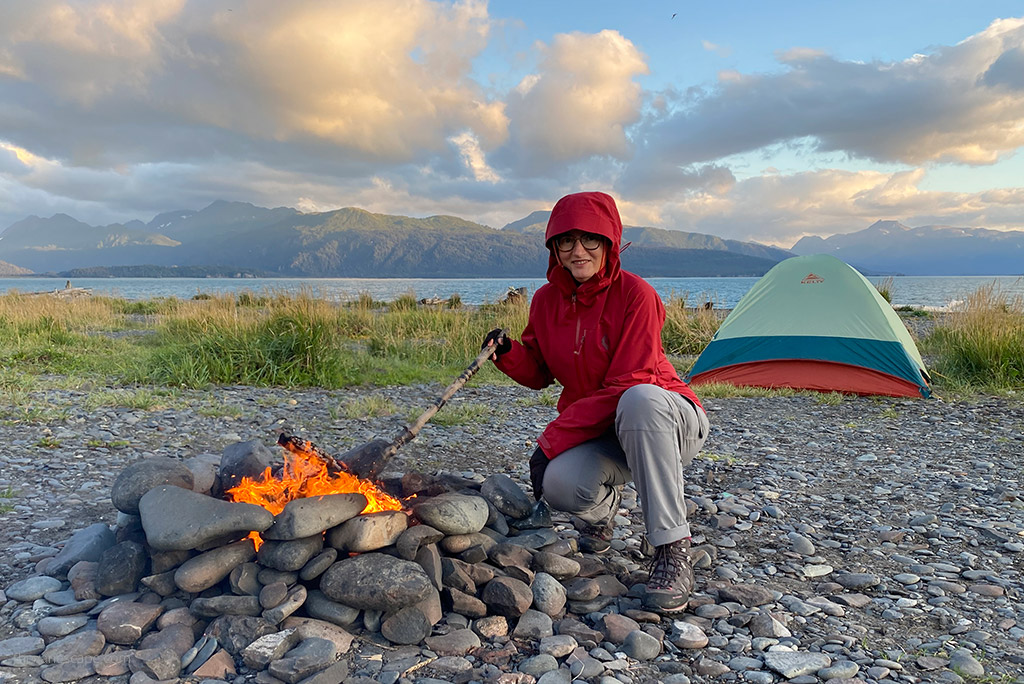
(667, 567)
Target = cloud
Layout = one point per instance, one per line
(386, 82)
(961, 103)
(781, 208)
(578, 105)
(720, 50)
(118, 109)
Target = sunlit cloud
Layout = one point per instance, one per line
(579, 103)
(959, 104)
(119, 109)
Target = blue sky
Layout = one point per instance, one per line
(748, 120)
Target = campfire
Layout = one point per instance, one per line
(307, 472)
(276, 564)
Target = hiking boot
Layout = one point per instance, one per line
(671, 580)
(597, 537)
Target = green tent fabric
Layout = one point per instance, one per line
(814, 322)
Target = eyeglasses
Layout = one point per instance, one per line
(566, 243)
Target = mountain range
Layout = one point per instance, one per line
(890, 247)
(228, 238)
(236, 236)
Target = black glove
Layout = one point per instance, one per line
(538, 464)
(502, 345)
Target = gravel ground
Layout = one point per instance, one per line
(914, 505)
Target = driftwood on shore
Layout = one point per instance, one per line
(67, 292)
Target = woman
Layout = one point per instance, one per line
(624, 414)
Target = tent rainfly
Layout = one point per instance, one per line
(815, 323)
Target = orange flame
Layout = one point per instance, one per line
(304, 475)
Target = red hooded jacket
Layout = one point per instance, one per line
(597, 338)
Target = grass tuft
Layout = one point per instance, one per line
(981, 343)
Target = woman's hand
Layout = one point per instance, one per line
(500, 342)
(538, 464)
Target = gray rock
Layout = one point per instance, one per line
(458, 642)
(306, 659)
(689, 636)
(205, 570)
(296, 597)
(507, 596)
(260, 653)
(246, 459)
(857, 580)
(19, 646)
(141, 476)
(791, 664)
(465, 604)
(176, 637)
(765, 625)
(78, 646)
(215, 606)
(87, 544)
(162, 584)
(559, 567)
(640, 645)
(616, 628)
(313, 515)
(407, 626)
(244, 578)
(507, 496)
(160, 664)
(560, 676)
(963, 663)
(235, 632)
(318, 564)
(32, 588)
(120, 568)
(291, 555)
(71, 671)
(375, 581)
(319, 606)
(60, 626)
(538, 665)
(178, 519)
(273, 594)
(533, 624)
(548, 594)
(845, 669)
(801, 544)
(125, 623)
(750, 595)
(368, 532)
(409, 542)
(453, 513)
(204, 469)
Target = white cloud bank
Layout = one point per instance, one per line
(119, 109)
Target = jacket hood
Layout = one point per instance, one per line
(592, 212)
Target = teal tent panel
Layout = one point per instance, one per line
(885, 356)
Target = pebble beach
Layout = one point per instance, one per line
(874, 539)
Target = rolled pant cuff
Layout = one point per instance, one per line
(662, 537)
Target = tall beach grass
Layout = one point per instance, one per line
(980, 344)
(305, 340)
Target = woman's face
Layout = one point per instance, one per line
(585, 255)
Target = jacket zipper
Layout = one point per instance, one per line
(576, 342)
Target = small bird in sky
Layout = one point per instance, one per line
(674, 15)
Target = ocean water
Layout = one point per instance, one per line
(938, 292)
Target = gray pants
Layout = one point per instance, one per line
(657, 433)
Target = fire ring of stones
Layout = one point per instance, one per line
(178, 588)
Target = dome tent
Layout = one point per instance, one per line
(814, 322)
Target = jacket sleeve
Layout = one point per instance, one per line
(524, 362)
(634, 362)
